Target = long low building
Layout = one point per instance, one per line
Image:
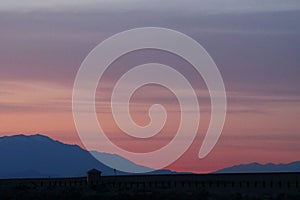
(245, 184)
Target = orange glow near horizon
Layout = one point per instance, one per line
(267, 134)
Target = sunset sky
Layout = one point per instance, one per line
(255, 45)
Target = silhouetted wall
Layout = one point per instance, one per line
(271, 184)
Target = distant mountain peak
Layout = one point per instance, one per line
(23, 136)
(256, 167)
(34, 138)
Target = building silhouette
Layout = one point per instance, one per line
(250, 185)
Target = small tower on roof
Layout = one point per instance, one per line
(93, 176)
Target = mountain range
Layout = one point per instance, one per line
(262, 168)
(38, 156)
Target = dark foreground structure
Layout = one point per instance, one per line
(178, 186)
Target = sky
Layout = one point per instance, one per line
(255, 45)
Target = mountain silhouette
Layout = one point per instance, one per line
(261, 168)
(40, 156)
(116, 160)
